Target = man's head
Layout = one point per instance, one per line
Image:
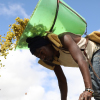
(41, 48)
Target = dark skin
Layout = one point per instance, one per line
(69, 42)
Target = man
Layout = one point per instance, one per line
(71, 47)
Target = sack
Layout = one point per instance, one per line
(94, 36)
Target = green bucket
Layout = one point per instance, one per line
(54, 16)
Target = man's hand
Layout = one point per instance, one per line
(85, 96)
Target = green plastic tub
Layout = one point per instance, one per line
(54, 16)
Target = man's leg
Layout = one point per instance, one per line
(95, 81)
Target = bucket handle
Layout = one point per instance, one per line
(57, 9)
(58, 1)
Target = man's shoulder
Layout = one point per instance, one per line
(69, 35)
(64, 33)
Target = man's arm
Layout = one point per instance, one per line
(69, 44)
(61, 81)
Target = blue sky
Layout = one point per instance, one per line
(22, 74)
(88, 9)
